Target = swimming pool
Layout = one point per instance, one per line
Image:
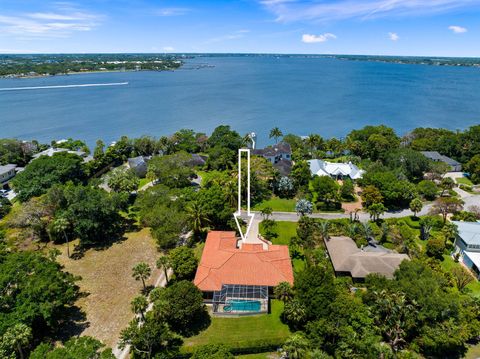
(239, 305)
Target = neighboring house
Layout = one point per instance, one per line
(138, 165)
(7, 172)
(349, 260)
(335, 170)
(197, 160)
(455, 166)
(275, 153)
(279, 155)
(237, 277)
(467, 245)
(52, 150)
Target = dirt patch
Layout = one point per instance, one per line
(107, 279)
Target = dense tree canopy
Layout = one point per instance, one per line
(76, 348)
(44, 172)
(373, 142)
(173, 171)
(15, 152)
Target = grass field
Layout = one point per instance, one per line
(244, 332)
(464, 180)
(277, 205)
(107, 278)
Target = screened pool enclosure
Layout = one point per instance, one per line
(240, 299)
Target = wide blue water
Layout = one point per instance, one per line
(299, 95)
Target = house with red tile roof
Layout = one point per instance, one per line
(237, 276)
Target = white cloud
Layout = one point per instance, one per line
(168, 49)
(457, 29)
(172, 11)
(310, 39)
(233, 36)
(393, 36)
(323, 11)
(59, 23)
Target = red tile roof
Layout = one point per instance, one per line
(223, 263)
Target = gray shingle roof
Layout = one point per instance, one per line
(435, 156)
(347, 257)
(469, 232)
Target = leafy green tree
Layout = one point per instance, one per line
(181, 304)
(15, 151)
(224, 137)
(185, 140)
(373, 142)
(450, 231)
(303, 207)
(296, 346)
(217, 209)
(141, 271)
(461, 277)
(326, 188)
(413, 164)
(83, 347)
(283, 291)
(122, 180)
(347, 190)
(173, 171)
(436, 247)
(92, 213)
(98, 152)
(44, 172)
(144, 146)
(447, 205)
(416, 206)
(5, 207)
(428, 189)
(183, 262)
(314, 142)
(275, 133)
(371, 195)
(151, 338)
(212, 351)
(395, 317)
(301, 175)
(266, 213)
(473, 168)
(35, 292)
(139, 306)
(376, 210)
(163, 263)
(447, 184)
(15, 340)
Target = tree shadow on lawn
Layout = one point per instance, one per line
(118, 236)
(74, 324)
(199, 323)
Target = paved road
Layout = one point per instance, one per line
(469, 199)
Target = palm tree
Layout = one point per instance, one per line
(139, 306)
(266, 212)
(313, 141)
(296, 346)
(142, 271)
(60, 225)
(231, 192)
(197, 218)
(324, 228)
(283, 291)
(163, 263)
(352, 230)
(367, 230)
(275, 133)
(416, 206)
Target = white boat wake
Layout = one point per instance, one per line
(62, 86)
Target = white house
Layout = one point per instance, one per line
(7, 172)
(467, 244)
(336, 170)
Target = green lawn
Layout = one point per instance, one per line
(448, 263)
(240, 333)
(259, 356)
(277, 205)
(285, 231)
(473, 352)
(464, 180)
(143, 182)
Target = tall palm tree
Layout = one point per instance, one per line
(313, 141)
(367, 230)
(296, 346)
(61, 225)
(352, 230)
(197, 218)
(163, 263)
(142, 271)
(275, 133)
(324, 229)
(283, 291)
(139, 305)
(231, 192)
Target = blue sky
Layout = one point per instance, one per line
(384, 27)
